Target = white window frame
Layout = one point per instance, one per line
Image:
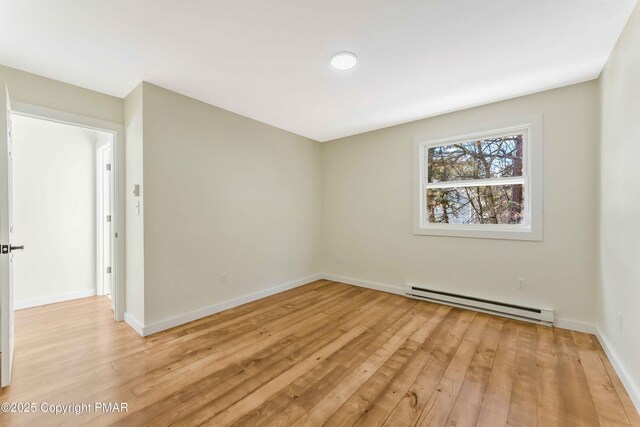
(531, 129)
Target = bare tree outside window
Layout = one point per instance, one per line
(451, 200)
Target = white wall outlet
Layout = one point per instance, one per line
(338, 259)
(521, 283)
(620, 320)
(224, 278)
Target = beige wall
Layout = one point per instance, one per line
(134, 244)
(367, 210)
(223, 194)
(54, 210)
(619, 285)
(44, 92)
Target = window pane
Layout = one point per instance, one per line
(487, 158)
(496, 204)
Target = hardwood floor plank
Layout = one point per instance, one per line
(550, 401)
(336, 397)
(255, 371)
(263, 413)
(441, 350)
(467, 405)
(256, 398)
(323, 353)
(444, 395)
(132, 360)
(579, 406)
(249, 319)
(185, 370)
(627, 404)
(359, 401)
(523, 407)
(149, 376)
(607, 403)
(494, 410)
(303, 394)
(383, 401)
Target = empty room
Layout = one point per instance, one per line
(306, 213)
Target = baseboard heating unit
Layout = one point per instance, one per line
(529, 314)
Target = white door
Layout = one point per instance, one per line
(6, 231)
(107, 221)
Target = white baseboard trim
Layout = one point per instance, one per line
(19, 305)
(632, 388)
(146, 330)
(574, 325)
(135, 324)
(399, 290)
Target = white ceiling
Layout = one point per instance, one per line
(269, 59)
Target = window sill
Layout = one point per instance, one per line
(480, 232)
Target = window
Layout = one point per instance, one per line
(486, 184)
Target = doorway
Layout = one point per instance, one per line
(59, 212)
(109, 202)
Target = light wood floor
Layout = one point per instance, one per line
(325, 353)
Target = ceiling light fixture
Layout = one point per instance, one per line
(344, 60)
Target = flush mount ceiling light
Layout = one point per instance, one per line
(344, 60)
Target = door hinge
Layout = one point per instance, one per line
(108, 218)
(108, 270)
(108, 167)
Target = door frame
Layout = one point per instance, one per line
(100, 211)
(118, 182)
